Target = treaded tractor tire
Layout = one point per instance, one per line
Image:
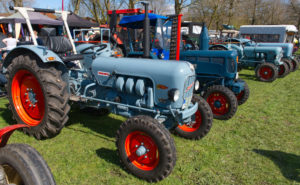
(289, 64)
(40, 92)
(283, 70)
(22, 164)
(266, 72)
(295, 65)
(145, 132)
(222, 101)
(203, 121)
(243, 96)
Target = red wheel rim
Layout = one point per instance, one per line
(281, 70)
(28, 98)
(137, 139)
(218, 103)
(266, 72)
(240, 95)
(195, 126)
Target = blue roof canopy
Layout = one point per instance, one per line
(136, 21)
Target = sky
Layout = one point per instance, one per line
(51, 4)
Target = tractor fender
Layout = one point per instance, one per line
(6, 132)
(220, 46)
(40, 51)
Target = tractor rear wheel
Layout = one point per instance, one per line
(201, 123)
(146, 148)
(266, 72)
(283, 70)
(38, 95)
(21, 164)
(243, 96)
(222, 101)
(295, 65)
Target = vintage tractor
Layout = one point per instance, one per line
(155, 95)
(216, 70)
(287, 48)
(20, 164)
(266, 60)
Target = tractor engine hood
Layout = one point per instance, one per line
(251, 51)
(287, 48)
(164, 75)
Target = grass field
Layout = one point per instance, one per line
(260, 145)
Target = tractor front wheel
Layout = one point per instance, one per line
(21, 164)
(201, 123)
(146, 148)
(289, 64)
(222, 101)
(295, 65)
(243, 96)
(283, 70)
(266, 72)
(38, 95)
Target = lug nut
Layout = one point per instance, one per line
(142, 143)
(136, 146)
(25, 93)
(30, 105)
(145, 157)
(26, 100)
(33, 105)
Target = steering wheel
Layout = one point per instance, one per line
(102, 47)
(90, 47)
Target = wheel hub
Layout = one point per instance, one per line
(28, 97)
(141, 151)
(217, 104)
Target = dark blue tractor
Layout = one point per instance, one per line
(154, 95)
(216, 70)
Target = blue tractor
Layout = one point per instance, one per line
(154, 95)
(267, 61)
(216, 70)
(287, 48)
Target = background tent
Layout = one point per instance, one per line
(35, 18)
(76, 21)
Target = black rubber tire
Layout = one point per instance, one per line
(245, 94)
(206, 118)
(270, 66)
(289, 64)
(162, 139)
(285, 71)
(230, 99)
(295, 65)
(27, 163)
(51, 77)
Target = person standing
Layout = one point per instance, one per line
(10, 43)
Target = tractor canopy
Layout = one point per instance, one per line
(136, 21)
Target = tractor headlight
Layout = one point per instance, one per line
(161, 56)
(197, 85)
(173, 95)
(192, 67)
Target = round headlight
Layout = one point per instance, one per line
(161, 56)
(197, 85)
(173, 94)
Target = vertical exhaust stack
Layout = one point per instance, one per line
(204, 38)
(146, 35)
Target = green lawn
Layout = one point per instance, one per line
(260, 145)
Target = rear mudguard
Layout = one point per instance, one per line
(42, 52)
(6, 132)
